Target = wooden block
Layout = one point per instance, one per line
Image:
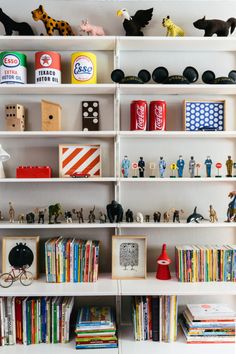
(15, 124)
(51, 116)
(90, 115)
(14, 111)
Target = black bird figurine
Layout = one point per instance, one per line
(133, 24)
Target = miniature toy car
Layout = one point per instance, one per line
(80, 175)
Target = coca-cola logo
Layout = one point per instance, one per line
(158, 114)
(140, 121)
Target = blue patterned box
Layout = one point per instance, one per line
(204, 115)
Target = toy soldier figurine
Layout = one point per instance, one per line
(162, 167)
(125, 165)
(180, 166)
(229, 166)
(141, 167)
(11, 213)
(208, 163)
(192, 165)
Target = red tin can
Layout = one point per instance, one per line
(138, 115)
(47, 68)
(157, 119)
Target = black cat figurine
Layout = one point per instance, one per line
(10, 25)
(218, 27)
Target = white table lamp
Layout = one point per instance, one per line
(4, 156)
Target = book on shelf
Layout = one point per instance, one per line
(96, 328)
(71, 260)
(35, 320)
(155, 318)
(205, 263)
(208, 323)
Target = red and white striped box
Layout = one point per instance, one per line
(82, 159)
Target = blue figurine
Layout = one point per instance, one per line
(125, 165)
(162, 167)
(208, 163)
(180, 166)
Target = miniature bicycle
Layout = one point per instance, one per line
(25, 277)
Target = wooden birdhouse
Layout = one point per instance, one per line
(51, 116)
(15, 117)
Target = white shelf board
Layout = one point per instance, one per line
(178, 134)
(171, 225)
(152, 286)
(192, 89)
(58, 43)
(129, 345)
(59, 180)
(74, 225)
(58, 134)
(177, 180)
(105, 286)
(63, 89)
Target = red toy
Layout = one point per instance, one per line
(163, 261)
(33, 172)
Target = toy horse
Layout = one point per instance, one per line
(172, 29)
(10, 25)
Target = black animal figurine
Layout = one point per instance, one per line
(129, 216)
(161, 76)
(133, 24)
(195, 217)
(157, 216)
(218, 27)
(119, 77)
(208, 77)
(30, 218)
(10, 25)
(115, 209)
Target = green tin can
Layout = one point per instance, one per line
(13, 68)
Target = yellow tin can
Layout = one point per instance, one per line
(83, 68)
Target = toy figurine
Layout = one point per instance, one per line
(147, 218)
(195, 217)
(91, 29)
(30, 218)
(152, 167)
(21, 218)
(23, 28)
(41, 214)
(229, 166)
(79, 214)
(157, 216)
(55, 211)
(198, 166)
(135, 169)
(141, 167)
(161, 76)
(208, 77)
(163, 262)
(133, 24)
(11, 213)
(234, 166)
(166, 216)
(172, 29)
(212, 214)
(192, 165)
(50, 24)
(139, 217)
(176, 215)
(173, 168)
(218, 27)
(68, 217)
(114, 209)
(180, 165)
(129, 216)
(208, 163)
(162, 167)
(91, 217)
(102, 217)
(231, 212)
(125, 165)
(218, 166)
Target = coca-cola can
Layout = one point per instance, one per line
(138, 115)
(157, 119)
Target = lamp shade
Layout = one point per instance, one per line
(4, 156)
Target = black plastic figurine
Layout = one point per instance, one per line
(208, 77)
(55, 211)
(79, 214)
(133, 24)
(218, 27)
(118, 76)
(195, 217)
(157, 216)
(30, 218)
(129, 216)
(23, 28)
(91, 217)
(161, 76)
(68, 217)
(141, 167)
(114, 209)
(176, 215)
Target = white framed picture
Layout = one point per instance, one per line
(20, 251)
(129, 257)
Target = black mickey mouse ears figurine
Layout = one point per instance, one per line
(208, 77)
(119, 77)
(161, 76)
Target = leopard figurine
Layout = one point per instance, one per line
(50, 24)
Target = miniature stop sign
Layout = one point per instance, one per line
(218, 166)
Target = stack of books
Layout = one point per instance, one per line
(198, 263)
(96, 328)
(71, 260)
(35, 320)
(155, 318)
(208, 323)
